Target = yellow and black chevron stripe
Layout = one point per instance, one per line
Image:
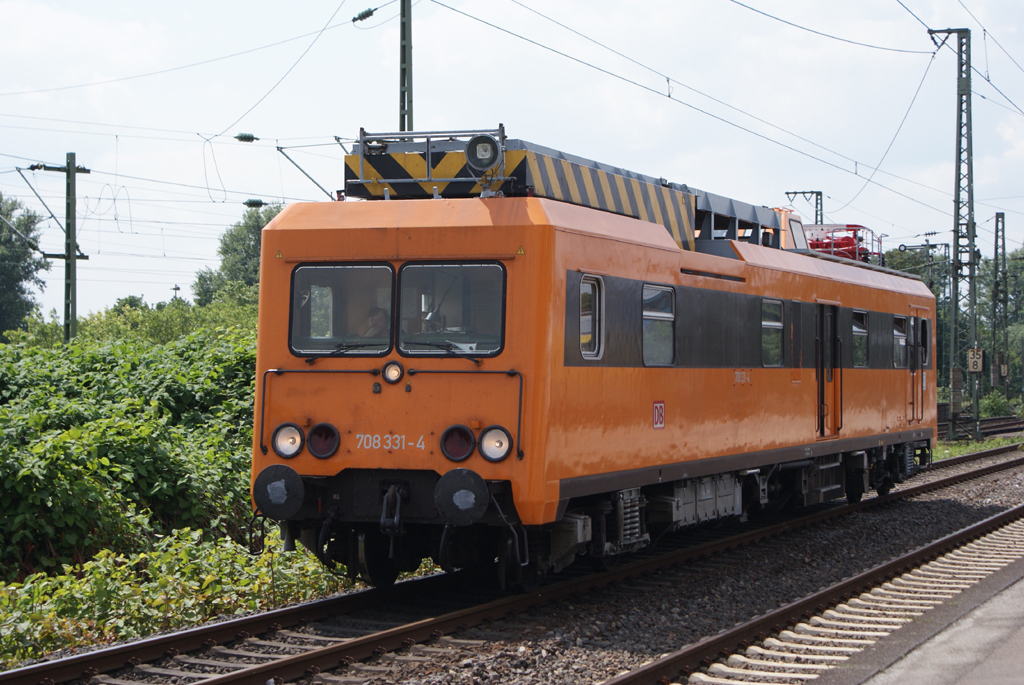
(528, 172)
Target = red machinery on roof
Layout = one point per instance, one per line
(851, 241)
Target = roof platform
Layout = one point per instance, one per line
(423, 165)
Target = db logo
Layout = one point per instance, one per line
(659, 414)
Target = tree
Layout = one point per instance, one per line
(20, 264)
(130, 302)
(240, 256)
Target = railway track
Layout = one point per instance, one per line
(344, 632)
(823, 630)
(995, 425)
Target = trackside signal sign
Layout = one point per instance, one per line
(659, 415)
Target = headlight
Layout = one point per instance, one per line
(287, 440)
(323, 440)
(393, 372)
(495, 443)
(457, 443)
(482, 153)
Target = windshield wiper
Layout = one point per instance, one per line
(448, 347)
(339, 349)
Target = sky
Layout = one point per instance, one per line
(710, 93)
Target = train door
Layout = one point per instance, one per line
(918, 345)
(829, 371)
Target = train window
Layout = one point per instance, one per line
(448, 309)
(659, 322)
(924, 342)
(340, 309)
(899, 342)
(591, 307)
(860, 339)
(771, 333)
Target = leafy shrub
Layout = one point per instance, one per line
(183, 581)
(105, 445)
(131, 319)
(994, 404)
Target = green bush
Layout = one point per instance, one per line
(994, 404)
(183, 581)
(106, 445)
(131, 319)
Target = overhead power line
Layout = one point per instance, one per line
(895, 135)
(285, 75)
(745, 113)
(989, 34)
(183, 66)
(973, 68)
(826, 35)
(687, 104)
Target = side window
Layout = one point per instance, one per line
(659, 325)
(899, 342)
(590, 317)
(925, 342)
(771, 333)
(860, 339)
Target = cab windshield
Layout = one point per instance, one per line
(451, 309)
(341, 309)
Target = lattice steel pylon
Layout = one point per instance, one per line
(1000, 307)
(405, 66)
(965, 256)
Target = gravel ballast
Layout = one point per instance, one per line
(595, 637)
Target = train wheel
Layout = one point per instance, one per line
(375, 566)
(605, 563)
(885, 487)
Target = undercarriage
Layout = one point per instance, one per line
(378, 524)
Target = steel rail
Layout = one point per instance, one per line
(314, 662)
(975, 456)
(105, 660)
(692, 657)
(991, 426)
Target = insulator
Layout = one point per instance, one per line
(365, 14)
(246, 138)
(254, 204)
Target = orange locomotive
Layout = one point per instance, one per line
(512, 354)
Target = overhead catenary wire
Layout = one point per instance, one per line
(189, 134)
(826, 35)
(688, 105)
(285, 75)
(856, 162)
(863, 168)
(973, 68)
(183, 66)
(899, 128)
(989, 34)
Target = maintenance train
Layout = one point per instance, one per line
(514, 358)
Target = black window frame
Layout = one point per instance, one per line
(779, 326)
(597, 317)
(855, 334)
(657, 316)
(426, 354)
(897, 336)
(924, 341)
(334, 353)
